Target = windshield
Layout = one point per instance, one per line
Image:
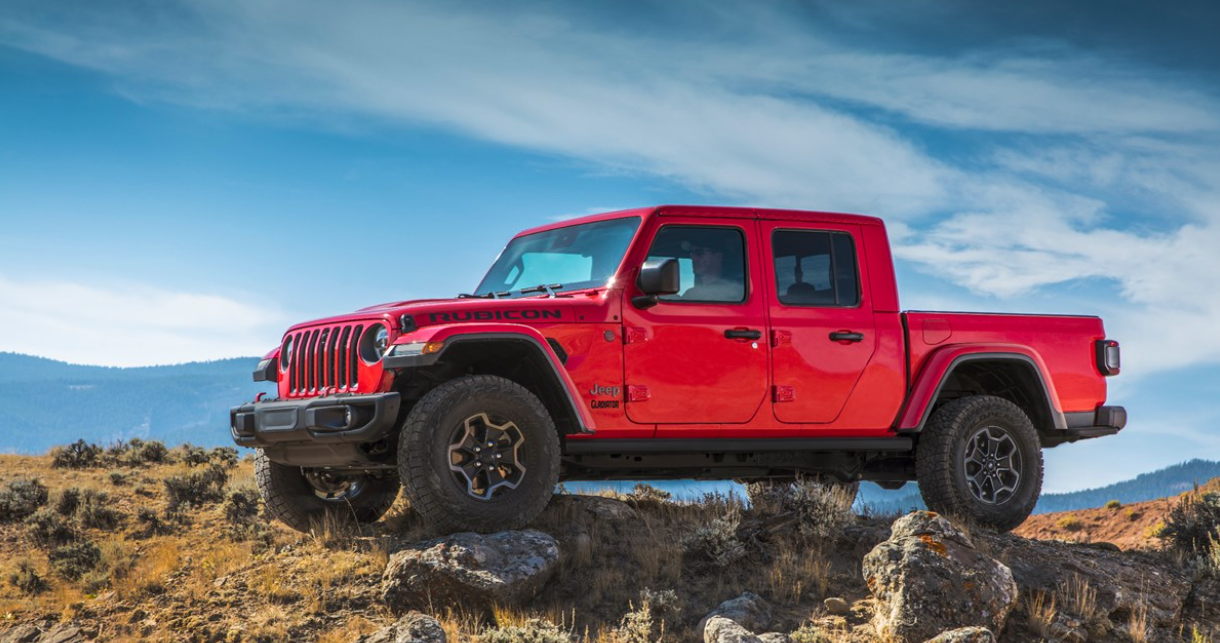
(575, 257)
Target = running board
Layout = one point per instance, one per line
(594, 446)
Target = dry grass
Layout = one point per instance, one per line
(1137, 624)
(1040, 611)
(206, 581)
(1070, 523)
(1079, 598)
(798, 572)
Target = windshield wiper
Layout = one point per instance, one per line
(549, 289)
(490, 295)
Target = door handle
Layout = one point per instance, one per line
(846, 336)
(743, 333)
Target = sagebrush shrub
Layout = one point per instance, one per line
(69, 500)
(26, 579)
(224, 456)
(1069, 523)
(241, 507)
(48, 528)
(150, 452)
(190, 455)
(716, 542)
(535, 630)
(1193, 524)
(822, 509)
(644, 494)
(76, 559)
(21, 498)
(151, 523)
(646, 623)
(95, 510)
(78, 455)
(196, 488)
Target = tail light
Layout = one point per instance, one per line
(1108, 357)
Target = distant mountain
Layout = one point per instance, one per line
(48, 402)
(1162, 483)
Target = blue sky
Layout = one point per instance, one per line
(181, 180)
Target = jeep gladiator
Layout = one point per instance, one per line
(671, 342)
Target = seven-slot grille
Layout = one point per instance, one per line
(325, 358)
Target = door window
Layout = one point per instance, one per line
(711, 261)
(815, 268)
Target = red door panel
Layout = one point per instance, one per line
(683, 367)
(823, 335)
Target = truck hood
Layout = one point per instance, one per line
(570, 307)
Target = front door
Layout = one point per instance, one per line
(700, 356)
(823, 334)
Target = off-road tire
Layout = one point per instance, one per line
(940, 461)
(291, 499)
(424, 458)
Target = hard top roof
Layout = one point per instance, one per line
(714, 211)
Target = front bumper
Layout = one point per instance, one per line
(319, 431)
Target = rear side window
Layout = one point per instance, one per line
(815, 268)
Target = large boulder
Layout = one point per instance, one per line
(411, 628)
(595, 507)
(1122, 583)
(470, 570)
(965, 635)
(718, 629)
(928, 577)
(749, 610)
(62, 633)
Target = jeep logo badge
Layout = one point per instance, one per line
(612, 391)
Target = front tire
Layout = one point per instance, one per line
(979, 458)
(479, 453)
(301, 499)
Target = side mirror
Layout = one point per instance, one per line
(657, 277)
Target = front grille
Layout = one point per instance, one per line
(324, 359)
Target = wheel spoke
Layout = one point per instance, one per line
(492, 436)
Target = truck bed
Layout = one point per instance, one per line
(1065, 344)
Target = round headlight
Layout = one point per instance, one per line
(286, 353)
(374, 343)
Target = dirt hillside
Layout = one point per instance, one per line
(140, 544)
(1129, 526)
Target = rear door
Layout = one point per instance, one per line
(700, 357)
(822, 333)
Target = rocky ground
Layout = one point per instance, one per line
(171, 546)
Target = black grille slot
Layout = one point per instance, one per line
(341, 357)
(311, 361)
(353, 356)
(323, 371)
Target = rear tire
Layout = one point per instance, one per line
(479, 453)
(979, 459)
(298, 498)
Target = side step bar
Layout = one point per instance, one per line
(594, 446)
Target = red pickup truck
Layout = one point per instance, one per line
(671, 342)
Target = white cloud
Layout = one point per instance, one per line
(780, 114)
(130, 325)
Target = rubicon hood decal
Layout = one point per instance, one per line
(495, 315)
